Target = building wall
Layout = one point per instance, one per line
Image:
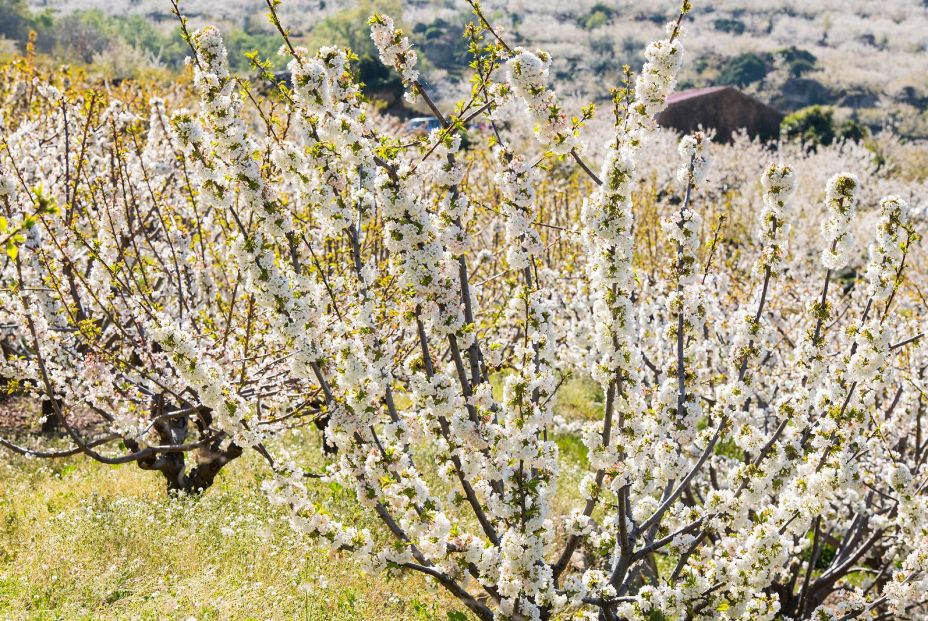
(725, 111)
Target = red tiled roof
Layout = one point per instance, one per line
(696, 92)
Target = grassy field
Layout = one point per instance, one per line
(80, 540)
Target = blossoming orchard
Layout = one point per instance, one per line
(233, 270)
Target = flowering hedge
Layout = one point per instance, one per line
(208, 280)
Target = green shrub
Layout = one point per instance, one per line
(16, 20)
(798, 62)
(743, 70)
(379, 80)
(600, 15)
(240, 42)
(733, 26)
(816, 125)
(813, 126)
(852, 130)
(440, 41)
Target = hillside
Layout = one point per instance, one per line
(868, 59)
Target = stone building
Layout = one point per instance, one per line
(722, 108)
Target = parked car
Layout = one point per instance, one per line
(422, 124)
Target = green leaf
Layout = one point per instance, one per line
(12, 250)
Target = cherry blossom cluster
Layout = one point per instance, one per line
(839, 197)
(779, 182)
(886, 253)
(528, 77)
(395, 49)
(663, 59)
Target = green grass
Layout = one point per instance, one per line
(83, 541)
(79, 540)
(580, 398)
